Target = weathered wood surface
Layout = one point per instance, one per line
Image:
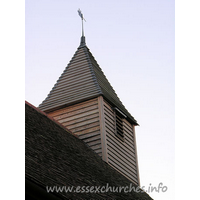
(121, 153)
(83, 120)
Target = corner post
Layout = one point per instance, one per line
(136, 155)
(102, 129)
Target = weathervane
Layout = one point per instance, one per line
(81, 15)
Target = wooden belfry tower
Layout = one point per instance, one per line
(83, 101)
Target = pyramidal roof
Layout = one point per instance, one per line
(82, 79)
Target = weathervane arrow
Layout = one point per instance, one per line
(81, 15)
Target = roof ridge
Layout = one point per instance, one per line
(86, 49)
(82, 79)
(111, 97)
(104, 76)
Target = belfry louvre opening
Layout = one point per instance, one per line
(119, 118)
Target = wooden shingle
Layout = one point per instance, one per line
(81, 80)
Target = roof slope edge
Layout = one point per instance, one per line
(81, 80)
(67, 89)
(54, 157)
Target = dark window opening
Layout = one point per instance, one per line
(119, 117)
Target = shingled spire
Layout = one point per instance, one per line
(82, 79)
(84, 102)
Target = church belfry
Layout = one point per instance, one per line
(84, 102)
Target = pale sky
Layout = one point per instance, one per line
(133, 42)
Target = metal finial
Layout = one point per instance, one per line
(81, 15)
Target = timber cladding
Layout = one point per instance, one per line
(121, 154)
(84, 102)
(93, 121)
(82, 119)
(82, 79)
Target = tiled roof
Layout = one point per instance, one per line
(55, 157)
(82, 79)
